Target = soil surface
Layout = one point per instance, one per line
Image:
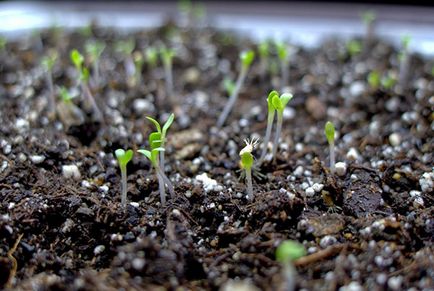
(370, 227)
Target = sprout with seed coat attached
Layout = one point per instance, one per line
(279, 103)
(246, 58)
(329, 131)
(124, 157)
(287, 252)
(247, 160)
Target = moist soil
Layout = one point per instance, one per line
(370, 227)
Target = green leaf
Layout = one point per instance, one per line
(277, 103)
(125, 46)
(146, 153)
(157, 125)
(124, 156)
(64, 94)
(247, 58)
(247, 160)
(263, 49)
(270, 99)
(289, 251)
(368, 17)
(285, 98)
(77, 59)
(374, 79)
(229, 86)
(166, 55)
(405, 40)
(329, 131)
(151, 55)
(84, 76)
(354, 47)
(155, 140)
(168, 124)
(282, 50)
(49, 60)
(94, 49)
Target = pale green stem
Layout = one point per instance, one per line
(277, 136)
(332, 157)
(404, 69)
(168, 183)
(169, 81)
(124, 185)
(284, 68)
(233, 98)
(249, 183)
(161, 188)
(51, 100)
(89, 97)
(289, 273)
(270, 120)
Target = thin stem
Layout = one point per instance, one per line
(270, 120)
(277, 136)
(289, 273)
(168, 183)
(124, 186)
(161, 187)
(233, 98)
(285, 73)
(51, 100)
(88, 95)
(169, 81)
(332, 157)
(403, 69)
(249, 183)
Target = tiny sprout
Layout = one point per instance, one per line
(246, 58)
(354, 47)
(78, 59)
(138, 66)
(404, 61)
(68, 112)
(270, 120)
(151, 56)
(48, 63)
(125, 48)
(368, 19)
(162, 132)
(283, 55)
(167, 59)
(329, 131)
(124, 157)
(264, 53)
(229, 86)
(388, 81)
(95, 49)
(374, 79)
(247, 163)
(279, 104)
(287, 252)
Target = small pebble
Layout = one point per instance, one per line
(353, 286)
(71, 171)
(138, 263)
(326, 241)
(357, 88)
(317, 187)
(98, 250)
(37, 159)
(353, 154)
(298, 171)
(395, 139)
(135, 204)
(310, 192)
(426, 182)
(395, 283)
(341, 168)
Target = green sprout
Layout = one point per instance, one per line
(139, 60)
(388, 81)
(270, 120)
(156, 143)
(374, 79)
(48, 63)
(94, 49)
(78, 60)
(246, 58)
(286, 253)
(247, 160)
(162, 132)
(3, 42)
(68, 112)
(354, 47)
(167, 55)
(283, 56)
(279, 104)
(404, 61)
(151, 57)
(264, 54)
(329, 131)
(124, 157)
(229, 86)
(126, 48)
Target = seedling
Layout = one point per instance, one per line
(279, 103)
(162, 132)
(388, 81)
(48, 63)
(67, 111)
(374, 79)
(125, 48)
(404, 61)
(247, 160)
(246, 58)
(138, 66)
(94, 49)
(329, 130)
(167, 55)
(78, 59)
(151, 56)
(354, 47)
(368, 19)
(124, 157)
(283, 55)
(229, 86)
(264, 54)
(287, 252)
(270, 120)
(155, 142)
